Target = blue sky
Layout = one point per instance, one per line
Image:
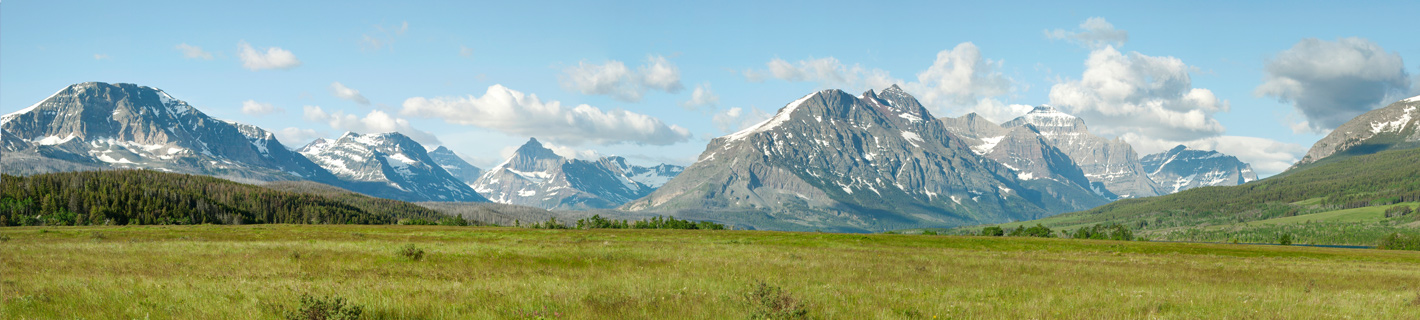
(1243, 78)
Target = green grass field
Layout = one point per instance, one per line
(261, 271)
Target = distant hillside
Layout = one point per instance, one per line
(1359, 181)
(149, 197)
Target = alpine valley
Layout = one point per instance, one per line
(827, 161)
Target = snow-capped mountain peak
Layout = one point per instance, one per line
(389, 165)
(1181, 169)
(536, 176)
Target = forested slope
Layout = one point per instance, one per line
(150, 197)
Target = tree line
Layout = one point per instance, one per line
(144, 197)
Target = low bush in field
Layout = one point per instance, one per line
(412, 252)
(772, 302)
(324, 308)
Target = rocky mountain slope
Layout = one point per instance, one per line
(1111, 162)
(95, 125)
(1023, 149)
(834, 161)
(388, 165)
(455, 165)
(535, 176)
(1396, 126)
(1181, 169)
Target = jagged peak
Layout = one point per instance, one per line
(1179, 148)
(535, 150)
(1047, 110)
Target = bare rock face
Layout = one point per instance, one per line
(1112, 163)
(536, 176)
(455, 165)
(1181, 169)
(388, 165)
(1396, 126)
(1024, 150)
(95, 125)
(834, 161)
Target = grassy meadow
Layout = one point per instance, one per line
(263, 271)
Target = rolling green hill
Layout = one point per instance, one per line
(1311, 203)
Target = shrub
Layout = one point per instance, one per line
(411, 252)
(326, 308)
(772, 302)
(416, 222)
(1285, 239)
(1112, 231)
(1396, 241)
(929, 233)
(1397, 211)
(453, 221)
(1038, 230)
(993, 231)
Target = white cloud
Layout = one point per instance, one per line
(570, 152)
(828, 72)
(615, 79)
(343, 92)
(1267, 156)
(383, 37)
(193, 52)
(1136, 93)
(296, 137)
(702, 96)
(251, 107)
(1331, 82)
(273, 58)
(960, 80)
(375, 122)
(736, 119)
(100, 56)
(466, 52)
(514, 112)
(1094, 33)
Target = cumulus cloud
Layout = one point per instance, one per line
(294, 137)
(514, 112)
(375, 122)
(193, 52)
(1331, 82)
(736, 119)
(272, 58)
(1094, 33)
(702, 96)
(615, 79)
(960, 80)
(1136, 93)
(343, 92)
(251, 107)
(383, 37)
(828, 72)
(1267, 156)
(571, 152)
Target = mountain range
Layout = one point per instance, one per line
(829, 160)
(1365, 164)
(537, 177)
(834, 161)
